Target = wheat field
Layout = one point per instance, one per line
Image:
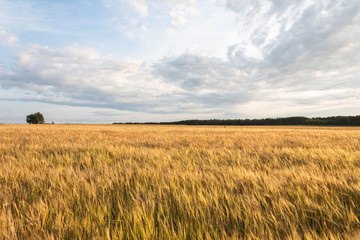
(179, 182)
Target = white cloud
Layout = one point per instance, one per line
(80, 76)
(7, 39)
(177, 11)
(140, 6)
(180, 10)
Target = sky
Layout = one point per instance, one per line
(104, 61)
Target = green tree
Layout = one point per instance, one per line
(36, 118)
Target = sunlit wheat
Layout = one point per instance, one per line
(179, 182)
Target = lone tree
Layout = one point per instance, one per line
(36, 118)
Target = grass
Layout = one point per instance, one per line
(179, 182)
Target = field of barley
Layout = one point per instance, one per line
(179, 182)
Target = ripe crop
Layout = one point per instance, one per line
(178, 182)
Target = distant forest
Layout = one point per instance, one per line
(315, 121)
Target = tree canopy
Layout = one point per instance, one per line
(36, 118)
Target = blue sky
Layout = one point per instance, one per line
(104, 61)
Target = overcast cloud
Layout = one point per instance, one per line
(173, 60)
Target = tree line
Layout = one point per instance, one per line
(315, 121)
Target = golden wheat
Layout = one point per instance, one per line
(178, 182)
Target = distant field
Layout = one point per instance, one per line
(179, 182)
